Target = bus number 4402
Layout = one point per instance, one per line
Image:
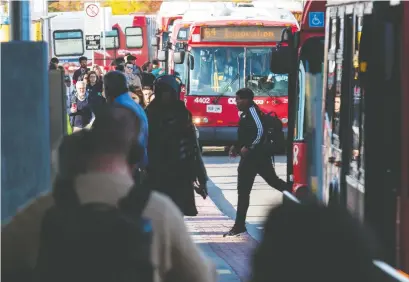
(202, 100)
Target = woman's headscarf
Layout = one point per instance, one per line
(166, 82)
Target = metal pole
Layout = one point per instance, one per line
(49, 39)
(103, 35)
(292, 87)
(47, 29)
(47, 33)
(20, 20)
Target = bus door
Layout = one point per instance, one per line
(338, 92)
(307, 156)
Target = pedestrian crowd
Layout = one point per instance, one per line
(127, 176)
(85, 89)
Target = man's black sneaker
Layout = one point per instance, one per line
(236, 230)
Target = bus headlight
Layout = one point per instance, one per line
(284, 120)
(200, 120)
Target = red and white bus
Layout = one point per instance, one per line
(165, 23)
(177, 35)
(128, 34)
(351, 141)
(224, 55)
(169, 13)
(178, 40)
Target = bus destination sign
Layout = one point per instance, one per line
(241, 33)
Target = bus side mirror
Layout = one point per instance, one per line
(162, 55)
(179, 57)
(281, 60)
(286, 34)
(154, 41)
(192, 62)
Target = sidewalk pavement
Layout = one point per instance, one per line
(231, 255)
(223, 191)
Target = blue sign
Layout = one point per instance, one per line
(316, 19)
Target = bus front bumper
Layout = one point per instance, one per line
(221, 136)
(217, 136)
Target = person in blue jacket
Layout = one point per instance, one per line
(157, 71)
(116, 91)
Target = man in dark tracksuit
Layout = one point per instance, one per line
(254, 159)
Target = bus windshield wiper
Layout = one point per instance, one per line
(234, 79)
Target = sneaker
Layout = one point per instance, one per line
(236, 230)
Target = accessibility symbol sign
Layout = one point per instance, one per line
(316, 19)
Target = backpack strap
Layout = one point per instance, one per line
(135, 202)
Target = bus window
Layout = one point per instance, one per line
(357, 105)
(180, 72)
(309, 89)
(68, 42)
(134, 38)
(111, 39)
(330, 93)
(170, 25)
(338, 83)
(343, 83)
(258, 75)
(183, 34)
(300, 104)
(217, 70)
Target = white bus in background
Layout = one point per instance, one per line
(127, 34)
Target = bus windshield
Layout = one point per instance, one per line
(259, 78)
(224, 70)
(180, 72)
